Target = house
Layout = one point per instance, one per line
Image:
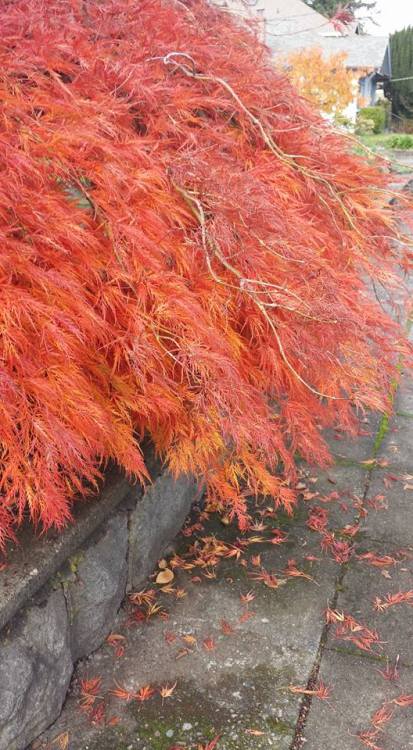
(291, 25)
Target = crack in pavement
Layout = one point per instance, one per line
(306, 703)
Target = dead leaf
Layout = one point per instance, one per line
(227, 628)
(246, 616)
(62, 741)
(113, 721)
(167, 690)
(190, 639)
(209, 644)
(182, 653)
(165, 576)
(144, 693)
(210, 745)
(403, 700)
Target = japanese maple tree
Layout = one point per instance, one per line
(326, 83)
(187, 252)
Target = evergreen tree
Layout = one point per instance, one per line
(329, 8)
(401, 92)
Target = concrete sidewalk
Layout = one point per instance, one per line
(360, 688)
(237, 664)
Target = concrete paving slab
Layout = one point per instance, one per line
(358, 691)
(238, 689)
(397, 447)
(356, 676)
(358, 447)
(344, 482)
(361, 586)
(392, 480)
(393, 526)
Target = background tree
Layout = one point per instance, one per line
(333, 8)
(326, 83)
(401, 92)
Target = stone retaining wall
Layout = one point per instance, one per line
(59, 595)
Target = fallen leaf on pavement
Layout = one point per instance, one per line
(165, 576)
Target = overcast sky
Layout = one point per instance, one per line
(391, 15)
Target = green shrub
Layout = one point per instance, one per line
(402, 142)
(385, 105)
(364, 126)
(376, 114)
(343, 122)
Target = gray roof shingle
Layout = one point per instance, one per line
(362, 51)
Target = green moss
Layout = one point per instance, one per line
(385, 421)
(74, 562)
(67, 574)
(114, 738)
(154, 732)
(407, 414)
(63, 578)
(381, 433)
(357, 653)
(197, 716)
(280, 726)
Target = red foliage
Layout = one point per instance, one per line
(184, 245)
(342, 18)
(348, 629)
